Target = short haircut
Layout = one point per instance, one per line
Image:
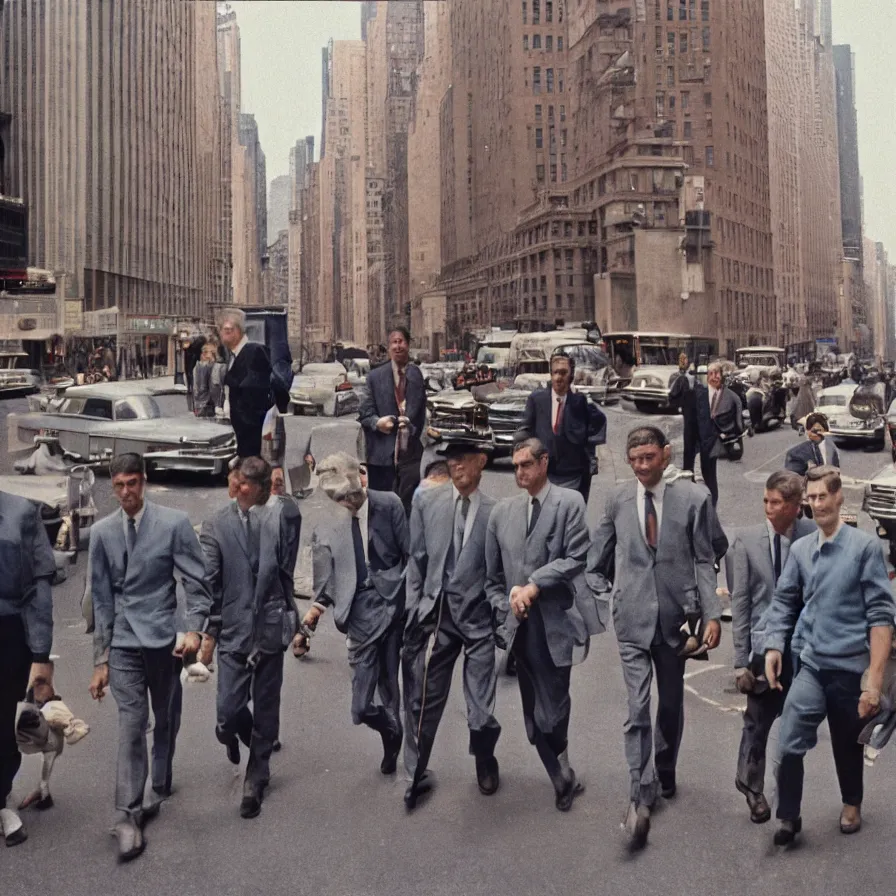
(233, 316)
(645, 435)
(339, 475)
(127, 465)
(401, 328)
(827, 474)
(563, 356)
(788, 484)
(537, 450)
(436, 468)
(257, 470)
(716, 365)
(816, 417)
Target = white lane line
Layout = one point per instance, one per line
(714, 703)
(701, 670)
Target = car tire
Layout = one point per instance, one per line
(644, 407)
(298, 412)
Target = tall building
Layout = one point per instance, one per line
(300, 293)
(254, 234)
(118, 196)
(878, 300)
(278, 206)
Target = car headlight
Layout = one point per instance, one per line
(299, 396)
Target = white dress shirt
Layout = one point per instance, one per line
(475, 500)
(363, 517)
(657, 491)
(823, 450)
(138, 516)
(540, 498)
(785, 543)
(712, 395)
(239, 347)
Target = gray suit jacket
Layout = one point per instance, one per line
(239, 594)
(432, 533)
(752, 586)
(138, 594)
(333, 556)
(552, 557)
(645, 586)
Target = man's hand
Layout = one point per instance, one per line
(309, 462)
(744, 681)
(385, 424)
(99, 682)
(869, 703)
(191, 644)
(300, 645)
(712, 634)
(521, 598)
(311, 617)
(206, 651)
(773, 665)
(42, 671)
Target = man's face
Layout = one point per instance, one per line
(648, 462)
(714, 378)
(249, 493)
(531, 474)
(398, 348)
(816, 433)
(780, 513)
(561, 376)
(233, 483)
(231, 334)
(129, 489)
(825, 506)
(466, 471)
(278, 482)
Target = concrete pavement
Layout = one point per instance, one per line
(332, 825)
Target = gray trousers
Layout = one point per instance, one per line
(237, 685)
(637, 671)
(375, 665)
(479, 679)
(140, 678)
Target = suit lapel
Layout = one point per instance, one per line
(442, 511)
(238, 528)
(631, 500)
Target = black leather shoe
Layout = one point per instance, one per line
(637, 825)
(130, 840)
(487, 776)
(786, 833)
(668, 787)
(233, 750)
(760, 811)
(571, 790)
(277, 746)
(391, 749)
(415, 791)
(250, 807)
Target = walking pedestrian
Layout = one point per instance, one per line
(447, 601)
(654, 548)
(836, 584)
(719, 412)
(26, 633)
(816, 450)
(683, 396)
(760, 554)
(203, 402)
(536, 546)
(134, 555)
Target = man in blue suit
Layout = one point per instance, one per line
(567, 425)
(393, 415)
(815, 451)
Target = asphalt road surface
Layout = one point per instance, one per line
(333, 825)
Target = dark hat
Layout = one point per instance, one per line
(460, 447)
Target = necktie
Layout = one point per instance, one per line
(559, 418)
(400, 391)
(132, 536)
(715, 403)
(360, 561)
(651, 523)
(777, 556)
(816, 450)
(460, 524)
(533, 517)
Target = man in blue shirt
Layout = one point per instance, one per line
(840, 576)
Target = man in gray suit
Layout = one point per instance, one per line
(535, 551)
(134, 554)
(446, 600)
(654, 550)
(26, 632)
(359, 556)
(760, 553)
(250, 549)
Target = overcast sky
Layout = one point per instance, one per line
(281, 59)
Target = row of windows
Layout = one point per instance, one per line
(548, 80)
(539, 138)
(548, 42)
(687, 10)
(538, 112)
(685, 41)
(548, 11)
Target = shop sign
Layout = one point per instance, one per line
(150, 325)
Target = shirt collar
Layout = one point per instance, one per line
(772, 533)
(138, 516)
(240, 345)
(657, 491)
(823, 539)
(542, 494)
(558, 397)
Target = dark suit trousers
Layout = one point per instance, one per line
(140, 678)
(402, 478)
(638, 667)
(375, 664)
(544, 689)
(15, 666)
(710, 478)
(237, 685)
(691, 441)
(248, 436)
(813, 695)
(479, 678)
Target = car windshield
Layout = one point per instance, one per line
(526, 383)
(759, 360)
(137, 407)
(587, 356)
(662, 355)
(828, 400)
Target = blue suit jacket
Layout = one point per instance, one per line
(379, 401)
(728, 417)
(800, 456)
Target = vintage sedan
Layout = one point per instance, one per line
(15, 379)
(650, 386)
(323, 389)
(853, 416)
(507, 408)
(458, 414)
(91, 424)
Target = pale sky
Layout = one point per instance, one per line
(281, 63)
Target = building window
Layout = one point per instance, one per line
(536, 12)
(660, 106)
(706, 39)
(539, 173)
(563, 113)
(553, 172)
(670, 43)
(710, 157)
(550, 80)
(549, 11)
(670, 13)
(550, 113)
(536, 79)
(549, 44)
(704, 10)
(707, 100)
(683, 40)
(525, 41)
(685, 102)
(563, 138)
(559, 43)
(709, 125)
(524, 12)
(672, 104)
(536, 41)
(670, 75)
(560, 81)
(539, 138)
(538, 111)
(687, 130)
(683, 10)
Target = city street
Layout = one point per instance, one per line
(332, 825)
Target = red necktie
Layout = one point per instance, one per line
(650, 521)
(559, 419)
(715, 403)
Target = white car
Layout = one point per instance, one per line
(844, 426)
(323, 389)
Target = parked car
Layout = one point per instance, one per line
(506, 409)
(91, 424)
(853, 418)
(457, 413)
(649, 387)
(323, 388)
(14, 378)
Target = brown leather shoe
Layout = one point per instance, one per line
(760, 811)
(850, 819)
